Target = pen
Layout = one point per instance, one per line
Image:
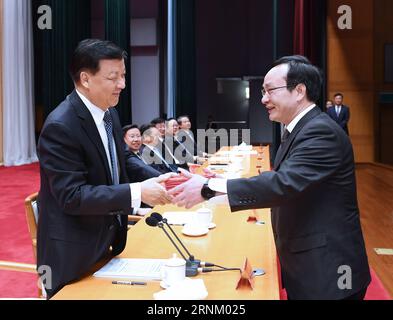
(130, 283)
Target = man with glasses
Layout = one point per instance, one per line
(311, 191)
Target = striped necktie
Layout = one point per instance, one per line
(112, 150)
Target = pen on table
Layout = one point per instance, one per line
(130, 283)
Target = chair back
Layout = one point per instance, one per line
(31, 208)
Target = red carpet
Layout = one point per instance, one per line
(375, 290)
(16, 183)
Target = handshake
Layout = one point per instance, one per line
(182, 189)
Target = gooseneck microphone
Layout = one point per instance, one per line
(191, 266)
(191, 258)
(153, 222)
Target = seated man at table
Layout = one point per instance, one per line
(137, 168)
(186, 137)
(174, 150)
(150, 150)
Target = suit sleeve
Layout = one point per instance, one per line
(64, 162)
(345, 118)
(314, 156)
(138, 171)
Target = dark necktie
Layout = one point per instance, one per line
(109, 133)
(140, 157)
(285, 136)
(159, 155)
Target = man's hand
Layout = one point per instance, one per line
(210, 174)
(153, 193)
(188, 194)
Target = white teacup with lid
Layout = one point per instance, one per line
(203, 217)
(173, 271)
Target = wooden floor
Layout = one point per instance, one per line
(375, 198)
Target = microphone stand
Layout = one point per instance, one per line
(191, 265)
(191, 261)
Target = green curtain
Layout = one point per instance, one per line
(185, 65)
(70, 24)
(117, 30)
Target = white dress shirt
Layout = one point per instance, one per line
(338, 110)
(98, 117)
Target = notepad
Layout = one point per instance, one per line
(122, 268)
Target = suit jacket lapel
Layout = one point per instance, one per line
(284, 148)
(90, 128)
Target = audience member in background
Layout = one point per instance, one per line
(329, 104)
(340, 112)
(186, 137)
(311, 191)
(86, 195)
(174, 150)
(150, 150)
(159, 123)
(137, 169)
(132, 137)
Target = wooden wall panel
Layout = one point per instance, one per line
(351, 71)
(383, 10)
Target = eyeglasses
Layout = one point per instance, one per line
(268, 91)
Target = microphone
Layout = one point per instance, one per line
(191, 258)
(159, 217)
(191, 266)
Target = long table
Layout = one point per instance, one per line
(229, 244)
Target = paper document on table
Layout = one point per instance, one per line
(148, 269)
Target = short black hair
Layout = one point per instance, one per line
(339, 94)
(145, 127)
(89, 53)
(302, 71)
(128, 127)
(157, 121)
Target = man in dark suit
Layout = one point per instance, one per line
(186, 137)
(85, 194)
(339, 112)
(151, 150)
(174, 150)
(311, 191)
(137, 168)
